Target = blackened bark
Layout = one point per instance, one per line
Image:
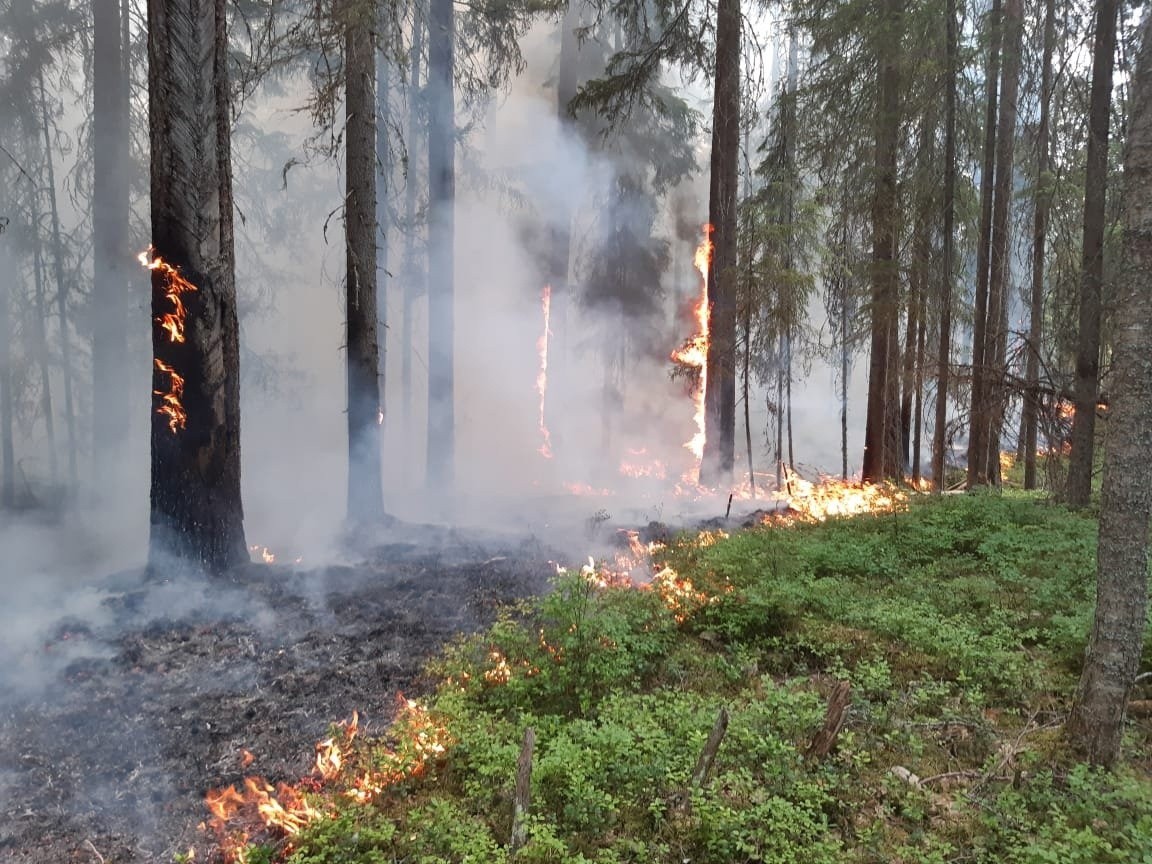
(1043, 197)
(944, 347)
(1096, 724)
(196, 512)
(720, 396)
(1092, 271)
(879, 426)
(441, 247)
(365, 489)
(978, 422)
(996, 335)
(110, 253)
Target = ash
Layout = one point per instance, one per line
(149, 698)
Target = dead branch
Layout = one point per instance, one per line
(522, 801)
(683, 799)
(825, 739)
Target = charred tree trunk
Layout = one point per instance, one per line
(996, 336)
(441, 247)
(61, 290)
(365, 409)
(720, 396)
(944, 347)
(43, 360)
(195, 490)
(878, 454)
(1092, 272)
(1096, 724)
(978, 424)
(110, 252)
(1030, 415)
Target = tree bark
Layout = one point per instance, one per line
(196, 512)
(43, 359)
(441, 247)
(996, 336)
(977, 437)
(1096, 724)
(110, 252)
(1092, 272)
(1043, 198)
(879, 457)
(413, 269)
(7, 452)
(365, 409)
(720, 396)
(944, 348)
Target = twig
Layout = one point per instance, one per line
(728, 512)
(95, 851)
(523, 797)
(683, 800)
(951, 775)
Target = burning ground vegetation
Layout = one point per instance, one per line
(879, 688)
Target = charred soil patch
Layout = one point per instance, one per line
(173, 683)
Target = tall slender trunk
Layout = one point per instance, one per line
(196, 512)
(845, 359)
(41, 336)
(413, 267)
(7, 453)
(996, 335)
(746, 319)
(1096, 724)
(908, 373)
(362, 312)
(441, 247)
(1092, 272)
(110, 252)
(61, 290)
(918, 384)
(720, 396)
(879, 453)
(944, 348)
(978, 425)
(780, 413)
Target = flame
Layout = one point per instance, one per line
(832, 497)
(266, 554)
(636, 465)
(545, 448)
(585, 489)
(171, 404)
(172, 323)
(694, 352)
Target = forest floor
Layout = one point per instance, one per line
(155, 700)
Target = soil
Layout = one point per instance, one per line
(159, 694)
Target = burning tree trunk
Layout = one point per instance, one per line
(1043, 195)
(441, 246)
(720, 396)
(1092, 272)
(365, 413)
(195, 490)
(878, 460)
(1096, 725)
(977, 440)
(110, 252)
(996, 335)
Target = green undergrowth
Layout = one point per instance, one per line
(959, 624)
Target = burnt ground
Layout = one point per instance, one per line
(151, 699)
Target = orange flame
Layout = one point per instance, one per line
(636, 464)
(172, 323)
(832, 497)
(694, 352)
(545, 448)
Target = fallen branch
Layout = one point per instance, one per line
(682, 801)
(522, 801)
(825, 739)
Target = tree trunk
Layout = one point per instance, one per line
(61, 290)
(43, 360)
(365, 408)
(1043, 196)
(978, 424)
(7, 454)
(944, 348)
(195, 490)
(878, 460)
(110, 252)
(720, 396)
(413, 268)
(996, 336)
(1096, 724)
(845, 369)
(1092, 272)
(441, 247)
(918, 385)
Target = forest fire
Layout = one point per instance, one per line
(638, 464)
(257, 811)
(173, 324)
(831, 497)
(693, 354)
(545, 448)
